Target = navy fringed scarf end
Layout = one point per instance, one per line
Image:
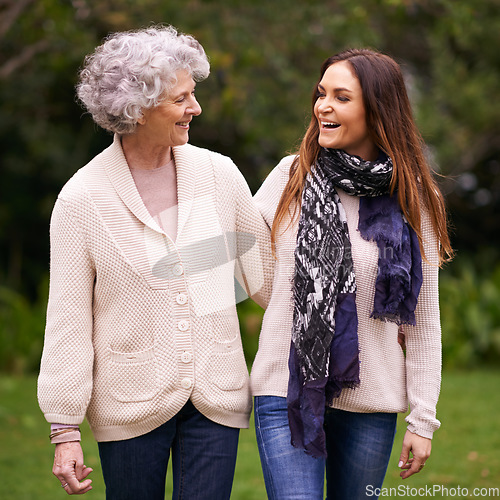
(307, 399)
(399, 275)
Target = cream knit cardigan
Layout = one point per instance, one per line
(389, 380)
(138, 324)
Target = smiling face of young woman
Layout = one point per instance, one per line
(340, 112)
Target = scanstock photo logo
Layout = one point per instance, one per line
(435, 490)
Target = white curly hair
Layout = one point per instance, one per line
(133, 71)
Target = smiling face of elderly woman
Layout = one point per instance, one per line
(168, 123)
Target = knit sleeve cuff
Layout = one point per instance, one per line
(67, 437)
(420, 432)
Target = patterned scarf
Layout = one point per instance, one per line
(324, 349)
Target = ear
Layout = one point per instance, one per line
(141, 120)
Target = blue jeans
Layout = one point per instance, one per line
(359, 446)
(288, 472)
(203, 460)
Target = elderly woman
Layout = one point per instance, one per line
(151, 243)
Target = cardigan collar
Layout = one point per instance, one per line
(120, 176)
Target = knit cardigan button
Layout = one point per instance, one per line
(183, 325)
(186, 383)
(186, 357)
(177, 269)
(181, 299)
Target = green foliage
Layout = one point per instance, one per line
(22, 326)
(470, 316)
(265, 58)
(250, 317)
(41, 137)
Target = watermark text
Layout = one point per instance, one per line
(435, 490)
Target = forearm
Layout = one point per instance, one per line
(423, 346)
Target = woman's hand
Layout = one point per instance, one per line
(420, 448)
(69, 468)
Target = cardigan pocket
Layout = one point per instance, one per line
(228, 369)
(133, 376)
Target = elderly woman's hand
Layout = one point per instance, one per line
(69, 468)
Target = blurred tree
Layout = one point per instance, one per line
(265, 58)
(40, 131)
(450, 51)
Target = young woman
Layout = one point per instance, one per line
(359, 231)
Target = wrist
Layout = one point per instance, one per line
(65, 435)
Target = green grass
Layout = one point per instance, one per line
(464, 450)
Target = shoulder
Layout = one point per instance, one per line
(93, 172)
(282, 169)
(195, 153)
(74, 190)
(269, 194)
(277, 179)
(201, 158)
(215, 171)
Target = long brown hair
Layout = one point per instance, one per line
(390, 121)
